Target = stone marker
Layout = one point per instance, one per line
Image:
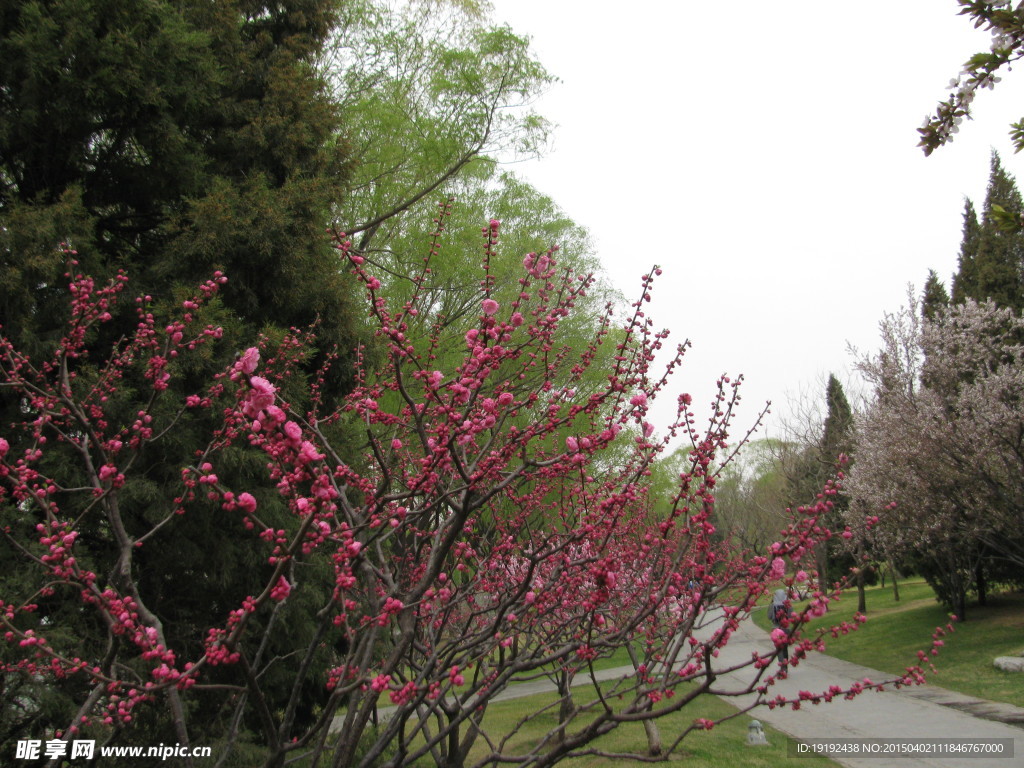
(755, 734)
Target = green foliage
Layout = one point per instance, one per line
(449, 90)
(988, 570)
(752, 494)
(991, 267)
(836, 560)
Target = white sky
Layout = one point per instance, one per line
(764, 154)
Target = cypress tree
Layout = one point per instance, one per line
(837, 436)
(965, 281)
(934, 297)
(836, 440)
(992, 256)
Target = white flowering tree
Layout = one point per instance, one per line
(940, 455)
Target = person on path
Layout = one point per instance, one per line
(779, 614)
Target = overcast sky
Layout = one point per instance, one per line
(764, 154)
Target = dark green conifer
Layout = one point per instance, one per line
(171, 138)
(992, 255)
(836, 441)
(837, 437)
(935, 296)
(965, 281)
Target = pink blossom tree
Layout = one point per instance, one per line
(494, 528)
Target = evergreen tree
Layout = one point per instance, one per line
(837, 437)
(935, 296)
(836, 441)
(170, 139)
(991, 254)
(965, 281)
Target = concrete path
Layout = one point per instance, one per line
(921, 712)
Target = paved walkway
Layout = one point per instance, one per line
(923, 712)
(920, 712)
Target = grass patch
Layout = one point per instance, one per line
(895, 631)
(723, 745)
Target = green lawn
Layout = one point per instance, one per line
(895, 631)
(724, 745)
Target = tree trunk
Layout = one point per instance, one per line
(981, 584)
(654, 748)
(472, 732)
(862, 598)
(960, 604)
(895, 582)
(821, 563)
(565, 706)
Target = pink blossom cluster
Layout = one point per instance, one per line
(494, 523)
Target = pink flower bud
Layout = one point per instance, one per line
(281, 590)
